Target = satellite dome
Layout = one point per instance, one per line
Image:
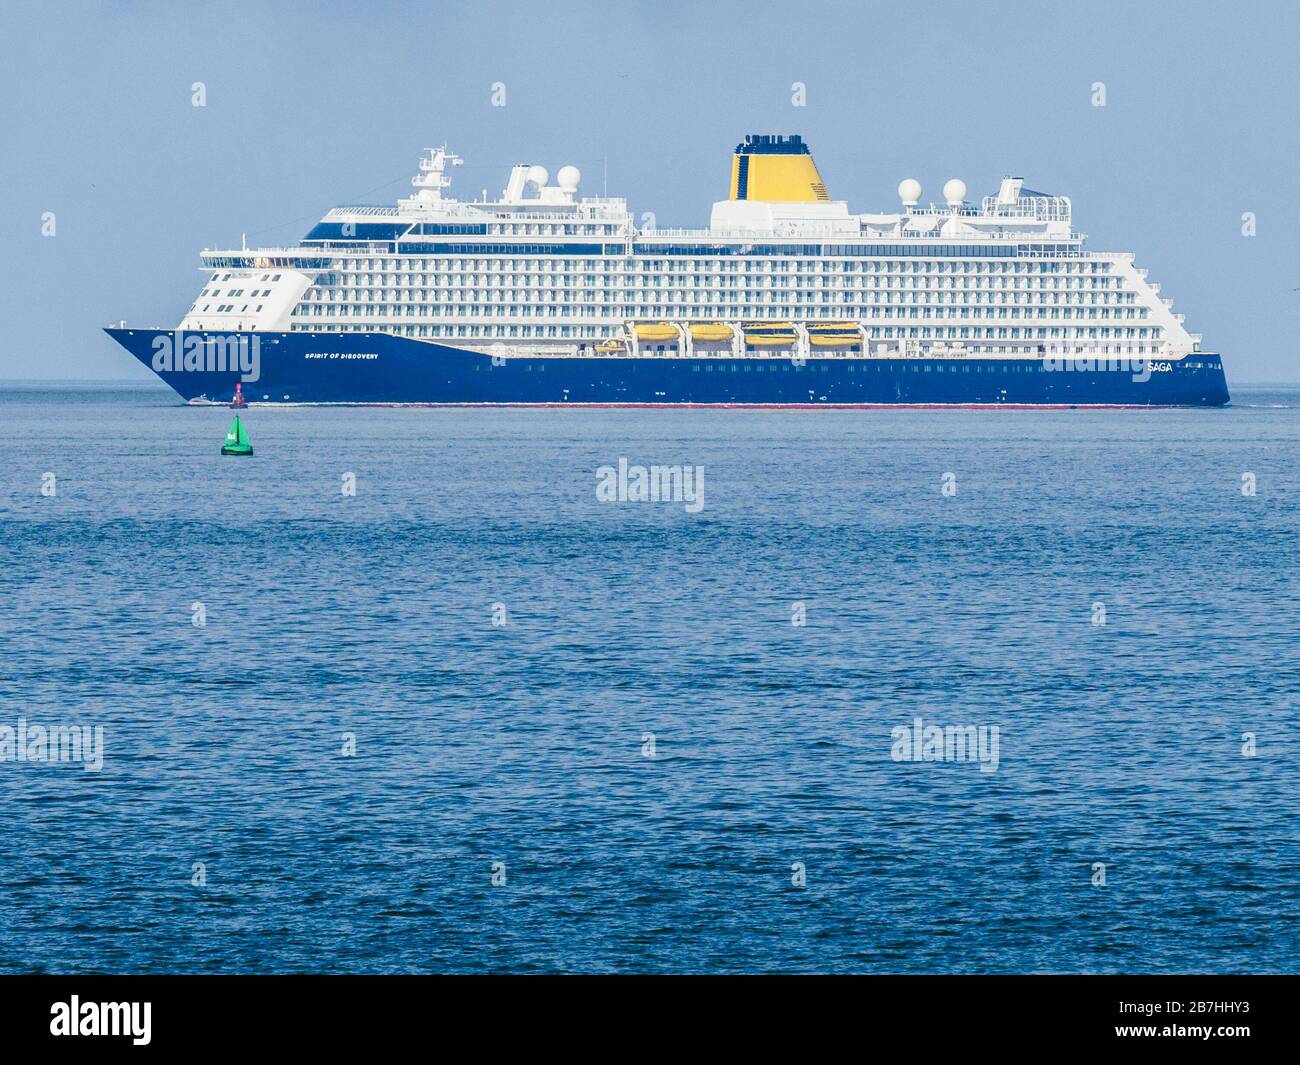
(954, 193)
(568, 178)
(538, 176)
(909, 191)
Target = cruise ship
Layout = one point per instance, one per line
(545, 296)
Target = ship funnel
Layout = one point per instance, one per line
(776, 168)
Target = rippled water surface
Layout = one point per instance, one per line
(526, 744)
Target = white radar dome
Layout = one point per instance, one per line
(909, 191)
(539, 176)
(568, 178)
(954, 193)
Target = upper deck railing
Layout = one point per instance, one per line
(606, 208)
(1024, 247)
(825, 237)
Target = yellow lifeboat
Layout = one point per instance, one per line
(610, 345)
(834, 334)
(711, 331)
(654, 331)
(773, 335)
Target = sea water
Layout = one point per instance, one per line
(404, 692)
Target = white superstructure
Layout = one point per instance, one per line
(544, 269)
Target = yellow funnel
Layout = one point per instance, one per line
(770, 166)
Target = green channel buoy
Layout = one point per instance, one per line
(237, 439)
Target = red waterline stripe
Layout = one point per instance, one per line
(732, 406)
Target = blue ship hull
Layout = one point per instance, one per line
(379, 368)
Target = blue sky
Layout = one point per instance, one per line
(314, 104)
